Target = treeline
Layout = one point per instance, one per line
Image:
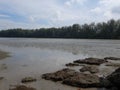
(104, 30)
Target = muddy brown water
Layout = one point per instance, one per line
(34, 57)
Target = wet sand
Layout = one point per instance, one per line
(34, 57)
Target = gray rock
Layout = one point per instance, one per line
(113, 64)
(72, 64)
(1, 78)
(83, 80)
(111, 58)
(114, 78)
(59, 75)
(90, 68)
(28, 79)
(91, 61)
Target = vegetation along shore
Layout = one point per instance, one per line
(103, 30)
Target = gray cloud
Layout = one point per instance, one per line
(116, 10)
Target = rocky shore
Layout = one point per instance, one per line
(87, 75)
(82, 79)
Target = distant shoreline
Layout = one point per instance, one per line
(103, 30)
(62, 38)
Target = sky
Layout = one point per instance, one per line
(34, 14)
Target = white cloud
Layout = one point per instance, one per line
(96, 10)
(7, 24)
(105, 9)
(55, 14)
(72, 2)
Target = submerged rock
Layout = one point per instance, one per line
(91, 61)
(28, 79)
(59, 75)
(90, 68)
(22, 87)
(83, 80)
(111, 58)
(72, 64)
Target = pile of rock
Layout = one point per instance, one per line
(74, 78)
(80, 79)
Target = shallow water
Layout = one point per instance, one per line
(33, 57)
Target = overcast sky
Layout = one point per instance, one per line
(55, 13)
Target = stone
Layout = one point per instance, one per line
(114, 78)
(111, 58)
(90, 68)
(113, 64)
(91, 61)
(73, 78)
(1, 78)
(3, 66)
(28, 79)
(83, 80)
(72, 64)
(59, 75)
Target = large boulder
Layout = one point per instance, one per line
(59, 75)
(90, 68)
(91, 61)
(114, 78)
(83, 80)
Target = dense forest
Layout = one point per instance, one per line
(103, 30)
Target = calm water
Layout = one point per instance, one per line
(33, 57)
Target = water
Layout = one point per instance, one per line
(33, 57)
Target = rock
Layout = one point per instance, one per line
(113, 64)
(22, 87)
(91, 61)
(73, 78)
(1, 78)
(72, 64)
(28, 79)
(90, 68)
(105, 83)
(111, 58)
(83, 80)
(59, 75)
(114, 78)
(3, 66)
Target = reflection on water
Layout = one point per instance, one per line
(91, 47)
(33, 57)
